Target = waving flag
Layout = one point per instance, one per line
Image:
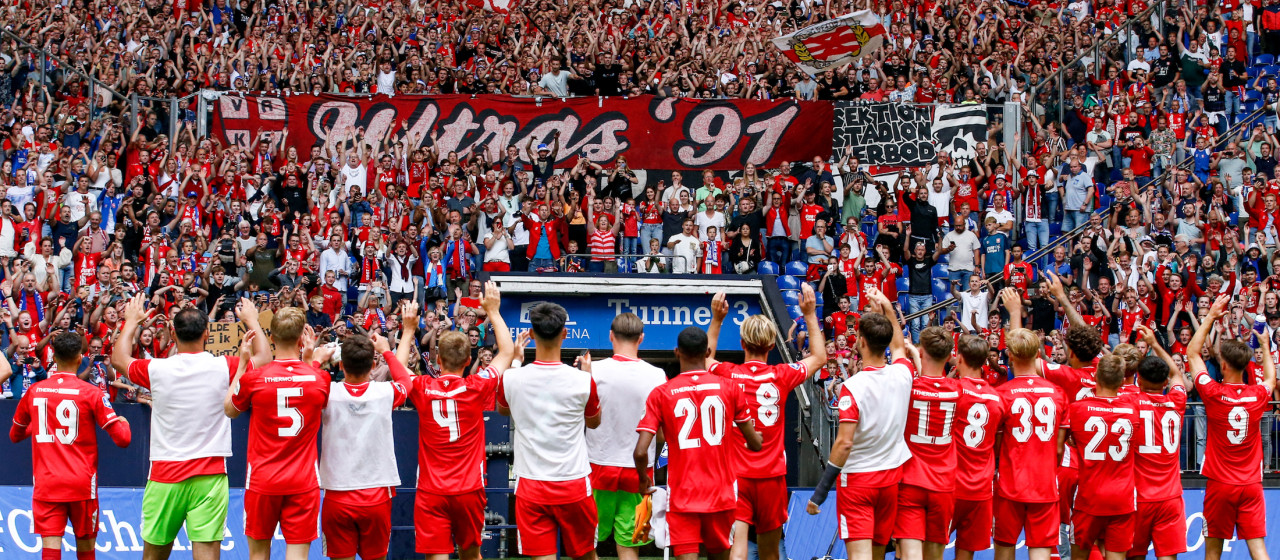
(833, 43)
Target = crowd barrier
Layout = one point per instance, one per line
(807, 537)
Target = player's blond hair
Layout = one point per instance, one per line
(1110, 372)
(454, 349)
(287, 325)
(1022, 344)
(758, 334)
(1131, 355)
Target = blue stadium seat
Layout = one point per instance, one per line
(1272, 70)
(788, 283)
(1264, 59)
(794, 311)
(939, 271)
(818, 297)
(1253, 71)
(798, 268)
(941, 289)
(1252, 105)
(767, 267)
(902, 300)
(1250, 96)
(903, 285)
(1252, 82)
(791, 297)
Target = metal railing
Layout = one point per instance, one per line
(615, 256)
(1194, 433)
(1070, 236)
(93, 83)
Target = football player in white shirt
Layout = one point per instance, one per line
(190, 435)
(623, 382)
(869, 444)
(551, 405)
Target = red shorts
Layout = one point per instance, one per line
(1067, 481)
(1234, 510)
(710, 530)
(296, 514)
(1115, 532)
(1038, 521)
(441, 522)
(49, 519)
(496, 266)
(973, 524)
(349, 529)
(924, 515)
(536, 526)
(867, 513)
(762, 502)
(1163, 524)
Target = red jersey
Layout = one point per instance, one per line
(1233, 449)
(1019, 274)
(979, 412)
(1156, 466)
(697, 408)
(288, 398)
(764, 390)
(1103, 428)
(808, 217)
(932, 465)
(451, 409)
(1076, 383)
(59, 414)
(1033, 411)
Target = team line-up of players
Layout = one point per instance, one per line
(925, 445)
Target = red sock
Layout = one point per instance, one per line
(85, 554)
(50, 554)
(1095, 554)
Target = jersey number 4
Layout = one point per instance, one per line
(711, 412)
(67, 414)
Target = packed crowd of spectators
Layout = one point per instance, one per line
(99, 205)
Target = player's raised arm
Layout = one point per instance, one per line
(260, 354)
(1268, 365)
(1013, 304)
(229, 402)
(134, 313)
(408, 331)
(1176, 376)
(1194, 361)
(492, 304)
(1055, 288)
(719, 310)
(817, 358)
(897, 346)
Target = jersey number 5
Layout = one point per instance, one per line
(68, 416)
(283, 410)
(712, 413)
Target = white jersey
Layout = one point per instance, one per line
(882, 397)
(359, 450)
(187, 419)
(549, 405)
(623, 385)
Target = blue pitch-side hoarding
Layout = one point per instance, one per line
(664, 315)
(809, 536)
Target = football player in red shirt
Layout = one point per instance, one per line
(762, 477)
(288, 396)
(700, 473)
(1034, 414)
(1161, 517)
(1103, 424)
(59, 414)
(979, 414)
(926, 495)
(1233, 500)
(450, 501)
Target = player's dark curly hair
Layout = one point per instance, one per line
(1153, 370)
(67, 346)
(1084, 341)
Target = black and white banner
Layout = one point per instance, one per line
(958, 129)
(891, 134)
(907, 135)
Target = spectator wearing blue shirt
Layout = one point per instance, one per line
(1079, 197)
(995, 250)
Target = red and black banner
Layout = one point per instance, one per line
(653, 133)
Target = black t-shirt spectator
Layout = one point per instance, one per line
(1163, 71)
(755, 220)
(1132, 132)
(606, 78)
(1237, 68)
(920, 275)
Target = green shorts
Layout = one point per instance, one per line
(199, 501)
(617, 511)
